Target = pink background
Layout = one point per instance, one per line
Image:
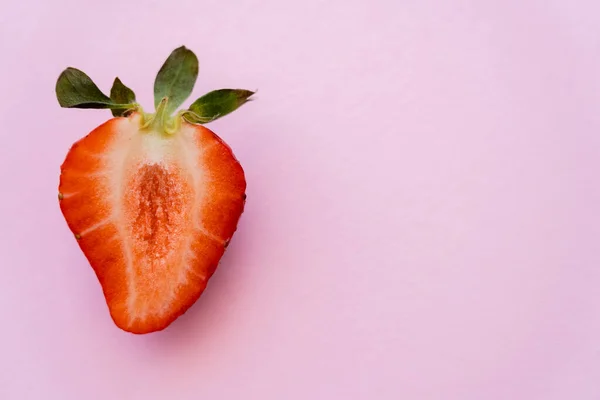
(423, 216)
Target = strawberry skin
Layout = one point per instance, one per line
(153, 214)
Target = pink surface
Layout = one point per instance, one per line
(423, 216)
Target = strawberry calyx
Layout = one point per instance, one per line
(173, 84)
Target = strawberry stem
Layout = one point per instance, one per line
(161, 121)
(160, 117)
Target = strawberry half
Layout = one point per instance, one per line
(152, 199)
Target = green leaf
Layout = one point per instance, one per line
(217, 104)
(121, 94)
(74, 89)
(176, 78)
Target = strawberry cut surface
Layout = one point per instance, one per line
(153, 214)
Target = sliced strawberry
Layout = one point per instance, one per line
(153, 215)
(153, 202)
